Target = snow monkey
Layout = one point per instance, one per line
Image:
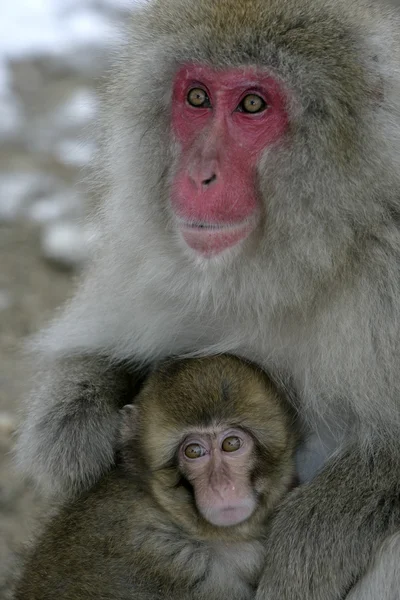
(250, 204)
(207, 452)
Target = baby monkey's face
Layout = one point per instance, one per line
(216, 444)
(218, 464)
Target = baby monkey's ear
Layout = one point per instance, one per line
(129, 421)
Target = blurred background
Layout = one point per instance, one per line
(52, 54)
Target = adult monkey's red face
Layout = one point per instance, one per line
(223, 121)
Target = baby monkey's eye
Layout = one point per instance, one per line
(198, 98)
(194, 451)
(231, 444)
(252, 104)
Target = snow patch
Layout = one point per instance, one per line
(51, 52)
(66, 243)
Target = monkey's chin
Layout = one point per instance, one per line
(210, 240)
(230, 515)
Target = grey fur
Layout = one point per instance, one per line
(315, 298)
(383, 579)
(342, 519)
(78, 420)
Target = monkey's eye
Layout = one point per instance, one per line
(198, 98)
(194, 451)
(252, 104)
(231, 444)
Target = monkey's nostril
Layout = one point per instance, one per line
(209, 180)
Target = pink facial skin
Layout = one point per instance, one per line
(220, 479)
(214, 194)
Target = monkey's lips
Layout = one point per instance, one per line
(210, 239)
(227, 516)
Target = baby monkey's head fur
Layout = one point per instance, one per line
(211, 442)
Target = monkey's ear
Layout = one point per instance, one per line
(129, 423)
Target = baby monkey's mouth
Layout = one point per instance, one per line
(225, 515)
(230, 514)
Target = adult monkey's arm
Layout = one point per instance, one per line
(327, 533)
(68, 437)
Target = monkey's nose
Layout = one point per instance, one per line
(209, 180)
(204, 174)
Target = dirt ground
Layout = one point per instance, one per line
(30, 289)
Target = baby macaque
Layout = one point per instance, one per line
(207, 452)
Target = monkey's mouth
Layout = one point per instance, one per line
(228, 516)
(198, 225)
(209, 239)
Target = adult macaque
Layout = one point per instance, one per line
(251, 199)
(207, 453)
